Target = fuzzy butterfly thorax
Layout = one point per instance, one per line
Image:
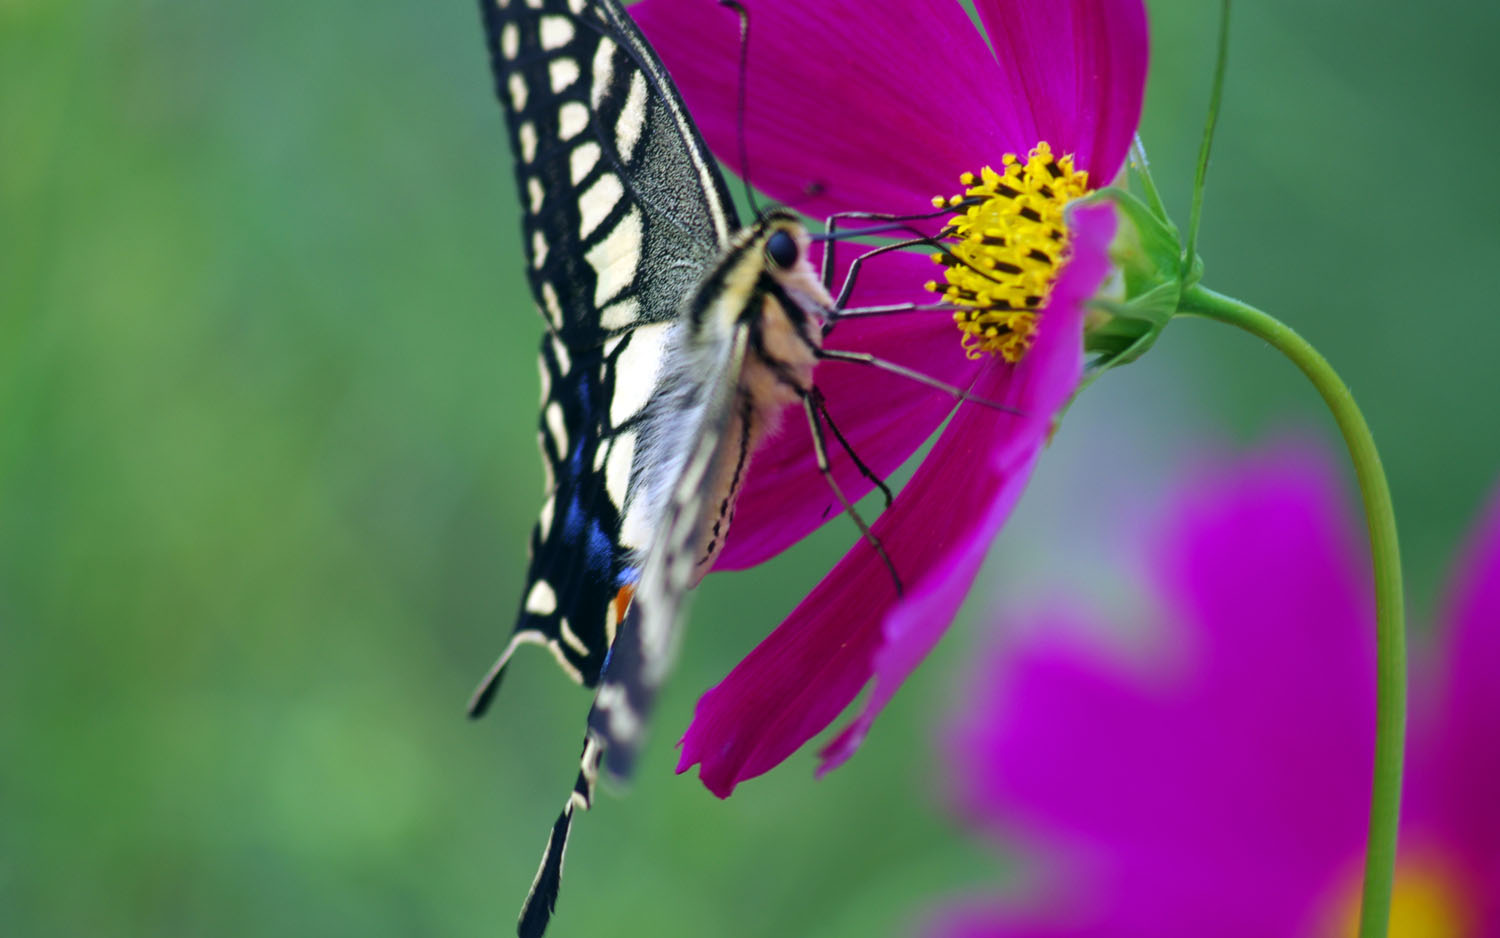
(781, 312)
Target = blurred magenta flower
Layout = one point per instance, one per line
(1222, 788)
(856, 106)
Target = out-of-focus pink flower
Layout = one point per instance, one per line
(1222, 790)
(857, 106)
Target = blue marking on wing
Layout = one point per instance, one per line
(599, 550)
(587, 535)
(573, 521)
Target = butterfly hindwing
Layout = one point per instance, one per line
(646, 645)
(643, 650)
(623, 214)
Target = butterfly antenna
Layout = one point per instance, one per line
(744, 16)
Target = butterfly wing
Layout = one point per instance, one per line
(624, 212)
(646, 645)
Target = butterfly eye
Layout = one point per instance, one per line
(781, 249)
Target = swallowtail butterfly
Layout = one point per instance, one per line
(674, 338)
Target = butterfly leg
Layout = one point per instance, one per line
(812, 403)
(854, 268)
(890, 309)
(865, 358)
(822, 405)
(831, 236)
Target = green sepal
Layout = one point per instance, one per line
(1133, 326)
(1148, 251)
(1140, 174)
(1190, 278)
(1153, 254)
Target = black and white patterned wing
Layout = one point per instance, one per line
(644, 649)
(624, 212)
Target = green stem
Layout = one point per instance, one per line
(1215, 97)
(1390, 701)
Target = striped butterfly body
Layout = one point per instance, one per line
(674, 339)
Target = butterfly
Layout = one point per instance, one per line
(674, 339)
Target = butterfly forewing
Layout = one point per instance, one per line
(623, 214)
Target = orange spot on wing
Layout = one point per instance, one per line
(622, 601)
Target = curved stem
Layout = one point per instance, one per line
(1390, 700)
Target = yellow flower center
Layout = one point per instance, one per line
(1007, 248)
(1427, 901)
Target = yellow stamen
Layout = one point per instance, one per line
(1008, 245)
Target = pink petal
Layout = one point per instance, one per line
(885, 417)
(1224, 786)
(915, 623)
(1042, 917)
(797, 680)
(852, 627)
(1043, 382)
(1080, 66)
(1463, 770)
(848, 105)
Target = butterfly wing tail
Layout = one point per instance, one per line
(541, 899)
(616, 730)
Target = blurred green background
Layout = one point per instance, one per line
(267, 467)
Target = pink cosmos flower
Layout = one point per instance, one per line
(1222, 789)
(855, 106)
